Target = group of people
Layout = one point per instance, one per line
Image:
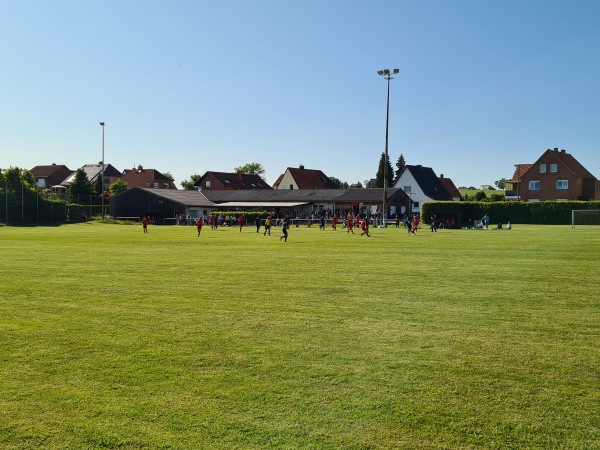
(349, 222)
(410, 222)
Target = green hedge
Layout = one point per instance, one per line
(547, 213)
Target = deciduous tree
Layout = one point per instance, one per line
(190, 185)
(252, 168)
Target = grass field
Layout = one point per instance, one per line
(459, 339)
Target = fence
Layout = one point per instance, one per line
(23, 206)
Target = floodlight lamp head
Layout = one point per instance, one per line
(396, 71)
(101, 124)
(386, 71)
(380, 72)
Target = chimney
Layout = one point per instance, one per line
(563, 151)
(441, 175)
(556, 149)
(239, 175)
(301, 167)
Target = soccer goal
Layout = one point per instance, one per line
(585, 217)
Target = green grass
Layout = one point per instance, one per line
(110, 338)
(471, 192)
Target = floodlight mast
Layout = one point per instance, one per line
(102, 170)
(386, 74)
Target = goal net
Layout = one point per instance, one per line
(585, 217)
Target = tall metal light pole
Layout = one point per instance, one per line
(518, 166)
(385, 73)
(102, 171)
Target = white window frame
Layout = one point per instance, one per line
(207, 184)
(534, 185)
(562, 184)
(553, 168)
(542, 168)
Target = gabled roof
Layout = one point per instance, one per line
(141, 177)
(428, 182)
(450, 187)
(236, 180)
(92, 172)
(310, 178)
(301, 195)
(48, 171)
(52, 174)
(520, 170)
(567, 160)
(185, 197)
(278, 181)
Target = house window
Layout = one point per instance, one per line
(415, 204)
(542, 168)
(534, 185)
(207, 184)
(553, 168)
(562, 184)
(156, 185)
(291, 186)
(407, 189)
(166, 185)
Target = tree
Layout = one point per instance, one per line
(336, 182)
(480, 195)
(169, 176)
(380, 171)
(81, 185)
(501, 183)
(357, 185)
(117, 187)
(400, 164)
(190, 185)
(15, 177)
(252, 168)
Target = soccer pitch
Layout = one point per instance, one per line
(460, 339)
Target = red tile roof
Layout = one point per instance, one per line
(145, 178)
(450, 187)
(310, 178)
(520, 170)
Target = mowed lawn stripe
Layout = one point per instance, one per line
(455, 339)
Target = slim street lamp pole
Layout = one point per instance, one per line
(386, 74)
(518, 166)
(102, 171)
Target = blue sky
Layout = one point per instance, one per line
(191, 86)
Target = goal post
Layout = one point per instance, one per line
(585, 217)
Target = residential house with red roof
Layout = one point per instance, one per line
(51, 175)
(302, 178)
(225, 181)
(513, 186)
(556, 175)
(146, 178)
(451, 188)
